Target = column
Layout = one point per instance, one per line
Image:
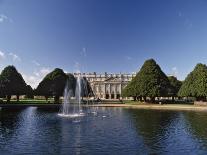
(109, 91)
(99, 90)
(115, 91)
(104, 93)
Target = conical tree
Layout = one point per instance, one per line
(29, 92)
(43, 89)
(195, 84)
(175, 85)
(71, 83)
(53, 84)
(12, 83)
(86, 90)
(130, 90)
(150, 81)
(59, 79)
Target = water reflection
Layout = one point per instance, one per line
(197, 122)
(167, 131)
(111, 131)
(153, 127)
(9, 122)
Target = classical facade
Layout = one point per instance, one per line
(107, 86)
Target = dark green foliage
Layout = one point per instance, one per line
(58, 78)
(195, 85)
(29, 92)
(130, 89)
(86, 88)
(175, 85)
(52, 85)
(71, 83)
(12, 83)
(43, 89)
(150, 81)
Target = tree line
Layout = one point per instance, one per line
(151, 82)
(52, 85)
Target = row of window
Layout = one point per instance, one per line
(101, 88)
(103, 79)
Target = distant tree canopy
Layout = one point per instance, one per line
(12, 83)
(71, 82)
(195, 84)
(52, 85)
(29, 92)
(175, 85)
(150, 81)
(86, 90)
(130, 90)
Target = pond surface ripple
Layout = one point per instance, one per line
(110, 131)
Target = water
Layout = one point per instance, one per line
(112, 131)
(66, 100)
(76, 105)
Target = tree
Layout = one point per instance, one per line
(130, 90)
(82, 87)
(86, 88)
(29, 92)
(175, 85)
(12, 83)
(71, 83)
(54, 84)
(195, 84)
(43, 89)
(150, 81)
(58, 78)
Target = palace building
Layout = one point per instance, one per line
(107, 86)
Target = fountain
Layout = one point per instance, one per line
(79, 94)
(67, 105)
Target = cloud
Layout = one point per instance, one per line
(77, 65)
(175, 71)
(65, 71)
(44, 71)
(31, 80)
(186, 21)
(4, 18)
(36, 77)
(15, 57)
(128, 58)
(83, 52)
(180, 14)
(2, 55)
(36, 73)
(35, 62)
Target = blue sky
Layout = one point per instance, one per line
(102, 35)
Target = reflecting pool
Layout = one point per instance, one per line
(120, 131)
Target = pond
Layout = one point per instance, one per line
(120, 131)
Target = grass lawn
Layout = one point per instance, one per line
(132, 102)
(29, 101)
(157, 102)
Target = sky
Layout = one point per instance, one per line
(101, 36)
